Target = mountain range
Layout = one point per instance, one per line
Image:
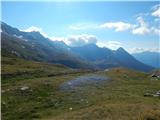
(149, 58)
(34, 46)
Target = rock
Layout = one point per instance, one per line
(3, 91)
(31, 90)
(125, 75)
(156, 74)
(70, 108)
(24, 88)
(157, 94)
(47, 83)
(82, 100)
(4, 103)
(148, 95)
(23, 46)
(106, 70)
(69, 83)
(8, 90)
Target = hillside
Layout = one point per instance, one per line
(149, 58)
(33, 90)
(106, 58)
(34, 46)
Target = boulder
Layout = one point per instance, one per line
(148, 95)
(24, 88)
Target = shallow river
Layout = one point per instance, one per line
(86, 80)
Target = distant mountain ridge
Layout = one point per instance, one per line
(149, 58)
(106, 58)
(34, 46)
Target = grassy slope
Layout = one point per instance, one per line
(17, 69)
(119, 99)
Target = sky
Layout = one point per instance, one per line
(135, 26)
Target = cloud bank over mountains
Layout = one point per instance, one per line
(140, 27)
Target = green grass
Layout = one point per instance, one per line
(121, 98)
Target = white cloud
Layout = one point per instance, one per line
(83, 26)
(71, 40)
(80, 40)
(118, 26)
(155, 30)
(57, 38)
(142, 28)
(84, 39)
(76, 40)
(139, 50)
(156, 12)
(35, 29)
(110, 44)
(32, 29)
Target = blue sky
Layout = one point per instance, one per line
(132, 25)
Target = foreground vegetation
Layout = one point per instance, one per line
(31, 90)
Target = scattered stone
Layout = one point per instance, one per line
(157, 94)
(47, 83)
(3, 91)
(3, 103)
(8, 90)
(24, 88)
(31, 90)
(25, 40)
(125, 75)
(33, 45)
(82, 100)
(23, 46)
(147, 95)
(106, 70)
(156, 74)
(15, 52)
(69, 83)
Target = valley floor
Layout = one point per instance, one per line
(32, 90)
